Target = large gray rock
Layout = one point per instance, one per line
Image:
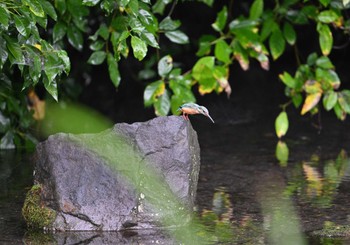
(124, 177)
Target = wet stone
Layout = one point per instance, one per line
(120, 178)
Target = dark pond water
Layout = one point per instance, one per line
(254, 198)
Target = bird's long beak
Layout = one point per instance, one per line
(210, 118)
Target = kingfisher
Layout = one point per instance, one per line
(192, 108)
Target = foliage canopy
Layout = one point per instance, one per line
(36, 34)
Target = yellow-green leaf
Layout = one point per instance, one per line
(310, 102)
(282, 153)
(281, 124)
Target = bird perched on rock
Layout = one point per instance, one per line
(192, 108)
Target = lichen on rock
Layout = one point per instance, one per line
(36, 215)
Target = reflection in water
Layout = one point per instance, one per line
(317, 182)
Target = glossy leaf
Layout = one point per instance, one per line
(97, 45)
(165, 65)
(282, 153)
(59, 31)
(329, 100)
(21, 25)
(297, 99)
(150, 39)
(167, 24)
(48, 9)
(51, 87)
(177, 37)
(324, 62)
(277, 44)
(289, 33)
(222, 51)
(310, 102)
(113, 70)
(325, 38)
(90, 2)
(242, 24)
(139, 47)
(4, 18)
(327, 16)
(288, 80)
(62, 54)
(97, 58)
(35, 7)
(281, 124)
(256, 9)
(162, 104)
(221, 20)
(75, 37)
(15, 50)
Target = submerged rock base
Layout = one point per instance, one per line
(131, 176)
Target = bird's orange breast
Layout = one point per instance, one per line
(189, 110)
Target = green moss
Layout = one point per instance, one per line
(36, 215)
(333, 230)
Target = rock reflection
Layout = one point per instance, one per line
(147, 236)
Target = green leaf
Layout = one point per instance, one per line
(177, 37)
(311, 59)
(282, 153)
(51, 87)
(327, 16)
(152, 91)
(165, 65)
(15, 50)
(145, 17)
(4, 18)
(325, 2)
(97, 58)
(3, 52)
(22, 25)
(223, 51)
(205, 45)
(325, 38)
(35, 7)
(277, 44)
(113, 70)
(162, 104)
(150, 39)
(289, 33)
(288, 80)
(123, 3)
(97, 45)
(324, 62)
(281, 124)
(221, 20)
(75, 37)
(139, 47)
(61, 6)
(242, 24)
(167, 24)
(344, 100)
(62, 54)
(207, 2)
(339, 112)
(90, 2)
(329, 77)
(256, 9)
(59, 31)
(203, 69)
(297, 99)
(48, 9)
(329, 100)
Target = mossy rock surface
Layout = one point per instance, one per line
(37, 215)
